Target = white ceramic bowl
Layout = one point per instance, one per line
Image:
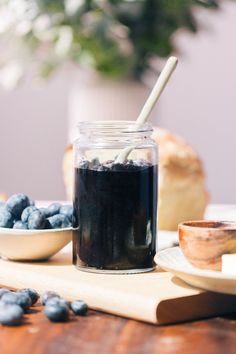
(32, 245)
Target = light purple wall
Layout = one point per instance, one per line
(199, 104)
(33, 133)
(200, 101)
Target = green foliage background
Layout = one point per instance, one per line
(116, 37)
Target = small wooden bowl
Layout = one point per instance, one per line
(203, 242)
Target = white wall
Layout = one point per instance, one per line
(199, 104)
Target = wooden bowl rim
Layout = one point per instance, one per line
(199, 225)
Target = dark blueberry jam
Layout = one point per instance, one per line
(115, 208)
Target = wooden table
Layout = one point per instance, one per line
(100, 333)
(104, 334)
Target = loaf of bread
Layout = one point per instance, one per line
(182, 192)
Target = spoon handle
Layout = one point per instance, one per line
(150, 103)
(157, 90)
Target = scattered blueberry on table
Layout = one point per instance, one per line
(34, 296)
(10, 315)
(21, 299)
(19, 212)
(3, 291)
(48, 295)
(54, 301)
(56, 312)
(13, 306)
(79, 307)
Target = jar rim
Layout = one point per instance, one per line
(115, 125)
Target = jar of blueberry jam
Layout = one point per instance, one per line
(115, 204)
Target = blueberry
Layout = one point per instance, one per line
(117, 167)
(94, 164)
(11, 315)
(54, 209)
(103, 168)
(57, 313)
(107, 166)
(79, 307)
(45, 212)
(48, 295)
(21, 299)
(26, 213)
(59, 221)
(3, 291)
(16, 204)
(141, 163)
(20, 225)
(58, 301)
(84, 164)
(36, 220)
(47, 225)
(67, 210)
(6, 218)
(34, 296)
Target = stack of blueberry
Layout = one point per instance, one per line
(13, 305)
(20, 212)
(111, 165)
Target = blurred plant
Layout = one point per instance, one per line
(116, 37)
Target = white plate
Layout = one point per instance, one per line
(173, 260)
(166, 239)
(32, 245)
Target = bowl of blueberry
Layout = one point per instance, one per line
(30, 233)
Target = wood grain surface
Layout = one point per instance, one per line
(107, 334)
(154, 297)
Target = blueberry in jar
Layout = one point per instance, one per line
(26, 213)
(16, 204)
(84, 164)
(36, 220)
(11, 314)
(115, 210)
(6, 218)
(79, 307)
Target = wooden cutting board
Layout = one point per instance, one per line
(156, 297)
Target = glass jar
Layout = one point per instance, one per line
(115, 203)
